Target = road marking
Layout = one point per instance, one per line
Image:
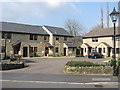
(101, 79)
(75, 83)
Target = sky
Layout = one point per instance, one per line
(55, 13)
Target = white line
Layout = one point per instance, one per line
(49, 82)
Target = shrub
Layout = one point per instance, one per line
(111, 62)
(82, 63)
(79, 55)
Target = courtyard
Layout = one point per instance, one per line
(52, 65)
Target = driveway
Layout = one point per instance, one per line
(51, 65)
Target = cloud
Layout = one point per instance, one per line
(26, 10)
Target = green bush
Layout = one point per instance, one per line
(111, 62)
(82, 63)
(79, 55)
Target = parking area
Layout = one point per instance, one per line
(52, 65)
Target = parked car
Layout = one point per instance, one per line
(94, 55)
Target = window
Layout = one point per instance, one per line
(85, 49)
(6, 35)
(33, 49)
(94, 39)
(3, 49)
(57, 49)
(103, 50)
(117, 38)
(65, 38)
(57, 38)
(45, 38)
(33, 37)
(117, 50)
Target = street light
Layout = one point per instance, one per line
(5, 36)
(114, 16)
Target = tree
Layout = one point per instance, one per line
(74, 27)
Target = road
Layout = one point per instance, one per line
(48, 73)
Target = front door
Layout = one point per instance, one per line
(25, 51)
(89, 49)
(100, 50)
(109, 51)
(81, 51)
(64, 51)
(46, 51)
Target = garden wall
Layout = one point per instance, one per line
(89, 70)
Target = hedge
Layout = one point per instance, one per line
(82, 64)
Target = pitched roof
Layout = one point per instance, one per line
(104, 44)
(58, 31)
(70, 44)
(87, 44)
(102, 32)
(21, 28)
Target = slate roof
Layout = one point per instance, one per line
(21, 28)
(49, 45)
(70, 44)
(104, 44)
(87, 44)
(102, 32)
(58, 31)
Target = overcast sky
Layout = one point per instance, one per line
(54, 13)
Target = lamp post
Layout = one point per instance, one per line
(5, 36)
(114, 16)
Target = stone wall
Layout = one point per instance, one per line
(89, 70)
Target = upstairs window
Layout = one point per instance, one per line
(45, 38)
(94, 39)
(2, 49)
(117, 38)
(117, 50)
(33, 37)
(57, 38)
(6, 35)
(65, 38)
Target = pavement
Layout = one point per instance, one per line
(48, 73)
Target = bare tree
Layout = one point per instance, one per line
(74, 27)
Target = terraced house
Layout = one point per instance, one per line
(101, 40)
(33, 40)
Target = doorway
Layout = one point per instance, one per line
(25, 51)
(64, 51)
(109, 51)
(46, 51)
(100, 50)
(81, 51)
(89, 49)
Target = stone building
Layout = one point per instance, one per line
(33, 40)
(101, 40)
